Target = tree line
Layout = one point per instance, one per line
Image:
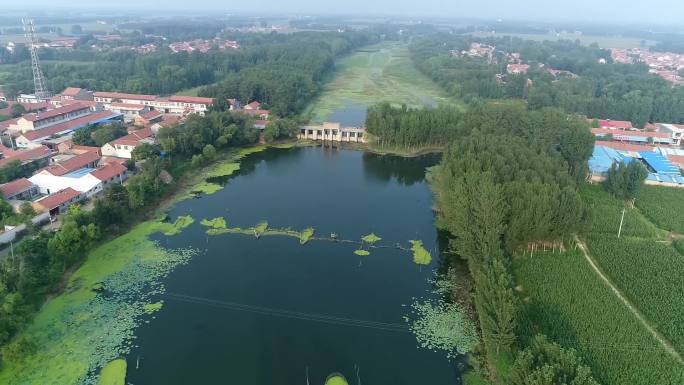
(601, 89)
(508, 179)
(281, 70)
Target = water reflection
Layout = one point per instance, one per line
(406, 171)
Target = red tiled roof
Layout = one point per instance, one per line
(641, 134)
(73, 164)
(254, 105)
(109, 171)
(66, 126)
(109, 159)
(151, 114)
(191, 99)
(78, 147)
(56, 112)
(14, 187)
(168, 120)
(133, 138)
(71, 91)
(28, 107)
(120, 95)
(89, 103)
(253, 112)
(624, 146)
(615, 123)
(58, 198)
(23, 156)
(129, 106)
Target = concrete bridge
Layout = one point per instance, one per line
(333, 132)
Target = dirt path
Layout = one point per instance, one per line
(660, 338)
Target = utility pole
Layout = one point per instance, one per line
(621, 221)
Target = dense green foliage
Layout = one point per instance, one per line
(528, 162)
(625, 180)
(650, 274)
(569, 303)
(11, 171)
(411, 128)
(281, 129)
(286, 73)
(664, 206)
(98, 135)
(610, 90)
(510, 180)
(219, 129)
(547, 363)
(282, 70)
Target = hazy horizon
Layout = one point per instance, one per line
(608, 12)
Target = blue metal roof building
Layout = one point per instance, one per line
(664, 171)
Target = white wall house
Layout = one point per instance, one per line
(124, 146)
(89, 182)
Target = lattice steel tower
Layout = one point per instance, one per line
(41, 89)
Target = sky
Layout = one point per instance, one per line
(599, 11)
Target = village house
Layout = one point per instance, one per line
(31, 139)
(192, 104)
(676, 132)
(615, 124)
(128, 110)
(124, 146)
(36, 121)
(86, 178)
(58, 202)
(148, 118)
(29, 159)
(517, 69)
(20, 189)
(118, 97)
(633, 136)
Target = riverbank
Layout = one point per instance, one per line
(78, 331)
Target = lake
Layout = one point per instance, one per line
(270, 311)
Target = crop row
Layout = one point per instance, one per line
(650, 274)
(605, 213)
(567, 301)
(664, 206)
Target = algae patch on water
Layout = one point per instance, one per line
(151, 308)
(218, 226)
(336, 379)
(114, 373)
(362, 252)
(371, 238)
(305, 235)
(82, 330)
(176, 227)
(420, 255)
(216, 223)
